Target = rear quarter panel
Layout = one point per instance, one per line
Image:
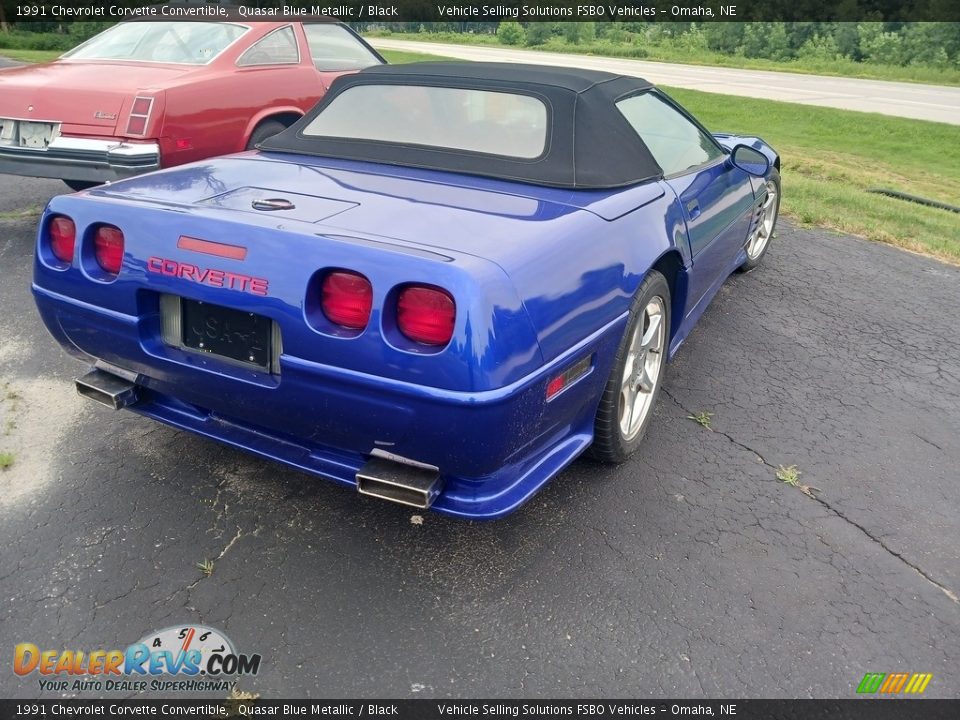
(243, 96)
(577, 272)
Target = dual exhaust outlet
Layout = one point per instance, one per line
(382, 476)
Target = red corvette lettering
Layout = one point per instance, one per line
(208, 276)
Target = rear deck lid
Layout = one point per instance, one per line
(281, 203)
(77, 93)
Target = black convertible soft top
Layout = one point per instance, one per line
(590, 144)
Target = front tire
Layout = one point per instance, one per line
(759, 241)
(626, 406)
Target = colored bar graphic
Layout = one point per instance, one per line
(898, 685)
(893, 683)
(871, 682)
(927, 677)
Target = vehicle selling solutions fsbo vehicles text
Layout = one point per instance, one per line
(534, 11)
(593, 10)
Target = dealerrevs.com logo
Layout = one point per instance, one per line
(183, 658)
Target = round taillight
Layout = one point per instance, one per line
(426, 314)
(63, 236)
(108, 248)
(346, 299)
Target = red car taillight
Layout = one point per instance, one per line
(346, 299)
(108, 248)
(139, 115)
(63, 236)
(426, 314)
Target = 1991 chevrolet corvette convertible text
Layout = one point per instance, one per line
(440, 286)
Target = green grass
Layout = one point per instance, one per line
(398, 57)
(842, 67)
(6, 460)
(30, 56)
(832, 157)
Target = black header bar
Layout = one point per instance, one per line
(384, 12)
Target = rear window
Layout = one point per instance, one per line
(481, 121)
(190, 43)
(333, 47)
(277, 48)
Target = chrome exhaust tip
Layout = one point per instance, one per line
(107, 389)
(412, 485)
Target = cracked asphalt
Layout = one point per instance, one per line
(688, 571)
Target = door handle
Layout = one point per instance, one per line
(693, 208)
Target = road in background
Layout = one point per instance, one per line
(910, 100)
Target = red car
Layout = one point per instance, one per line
(147, 95)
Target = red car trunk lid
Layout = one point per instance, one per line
(78, 94)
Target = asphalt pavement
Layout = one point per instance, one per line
(688, 571)
(903, 99)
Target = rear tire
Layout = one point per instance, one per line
(78, 185)
(266, 129)
(626, 406)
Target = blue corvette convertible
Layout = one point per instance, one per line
(440, 286)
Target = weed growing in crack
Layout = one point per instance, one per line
(791, 476)
(702, 419)
(206, 567)
(240, 703)
(6, 460)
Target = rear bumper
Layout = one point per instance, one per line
(89, 160)
(494, 449)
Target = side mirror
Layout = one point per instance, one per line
(750, 160)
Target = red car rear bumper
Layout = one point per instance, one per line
(83, 159)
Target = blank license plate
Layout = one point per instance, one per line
(233, 334)
(37, 134)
